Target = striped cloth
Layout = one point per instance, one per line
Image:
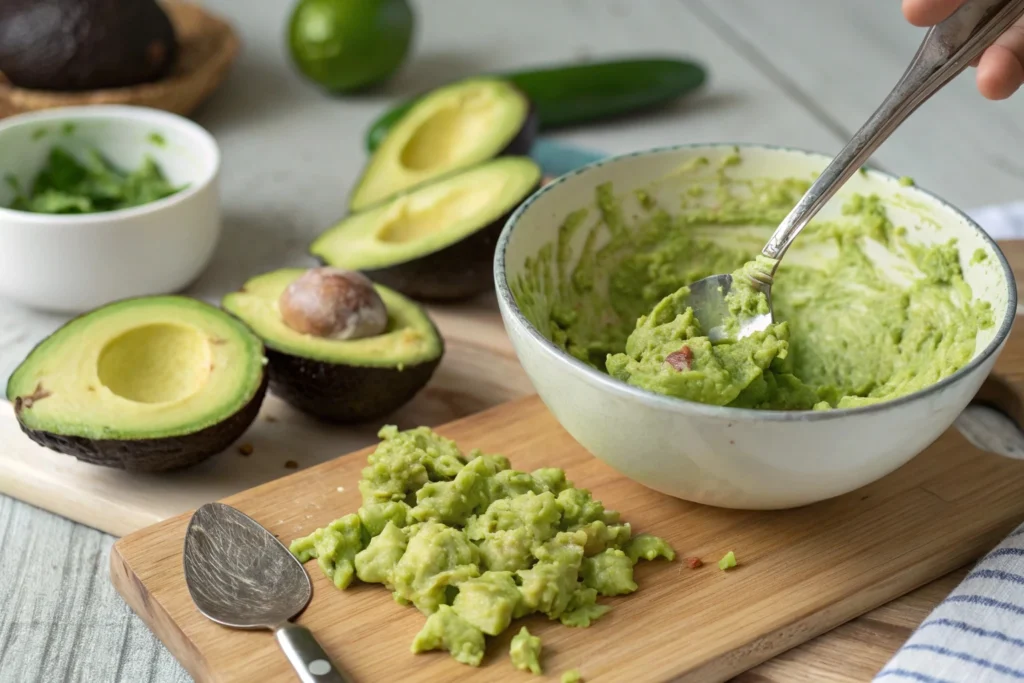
(976, 635)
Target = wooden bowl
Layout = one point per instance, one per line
(207, 47)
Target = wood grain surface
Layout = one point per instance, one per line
(802, 571)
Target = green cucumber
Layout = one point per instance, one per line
(582, 93)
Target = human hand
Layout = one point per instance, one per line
(1001, 65)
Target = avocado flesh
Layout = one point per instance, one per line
(435, 242)
(151, 383)
(345, 381)
(452, 128)
(73, 45)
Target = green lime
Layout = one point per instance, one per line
(347, 45)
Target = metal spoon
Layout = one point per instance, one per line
(948, 48)
(240, 575)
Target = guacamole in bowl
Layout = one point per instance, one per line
(889, 294)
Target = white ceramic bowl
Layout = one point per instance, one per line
(72, 263)
(734, 457)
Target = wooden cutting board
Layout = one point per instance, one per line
(802, 571)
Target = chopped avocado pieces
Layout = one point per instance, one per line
(609, 573)
(436, 242)
(572, 676)
(453, 128)
(446, 629)
(524, 650)
(489, 601)
(727, 562)
(351, 380)
(150, 383)
(583, 609)
(66, 185)
(648, 547)
(334, 547)
(474, 544)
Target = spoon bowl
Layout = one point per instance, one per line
(709, 299)
(239, 575)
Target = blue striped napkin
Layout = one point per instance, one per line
(976, 634)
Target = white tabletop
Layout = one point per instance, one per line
(789, 72)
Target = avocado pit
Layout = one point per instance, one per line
(334, 304)
(357, 378)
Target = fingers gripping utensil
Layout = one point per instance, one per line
(241, 576)
(948, 48)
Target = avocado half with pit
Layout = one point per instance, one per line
(452, 128)
(345, 381)
(436, 242)
(146, 384)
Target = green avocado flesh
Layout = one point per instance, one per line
(90, 185)
(410, 338)
(865, 311)
(430, 218)
(474, 544)
(144, 368)
(452, 128)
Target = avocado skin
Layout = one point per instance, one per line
(70, 45)
(457, 272)
(345, 394)
(155, 455)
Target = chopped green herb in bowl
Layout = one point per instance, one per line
(91, 184)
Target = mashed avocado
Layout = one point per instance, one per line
(611, 290)
(524, 650)
(474, 544)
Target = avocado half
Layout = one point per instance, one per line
(436, 242)
(146, 384)
(344, 381)
(452, 128)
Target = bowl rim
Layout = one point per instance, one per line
(157, 117)
(662, 402)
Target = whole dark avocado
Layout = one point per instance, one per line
(69, 45)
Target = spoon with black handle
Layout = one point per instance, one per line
(239, 575)
(948, 48)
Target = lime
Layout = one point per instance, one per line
(347, 45)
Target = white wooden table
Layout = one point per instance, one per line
(789, 72)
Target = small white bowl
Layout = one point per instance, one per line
(72, 263)
(731, 457)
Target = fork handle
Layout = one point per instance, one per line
(308, 659)
(947, 49)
